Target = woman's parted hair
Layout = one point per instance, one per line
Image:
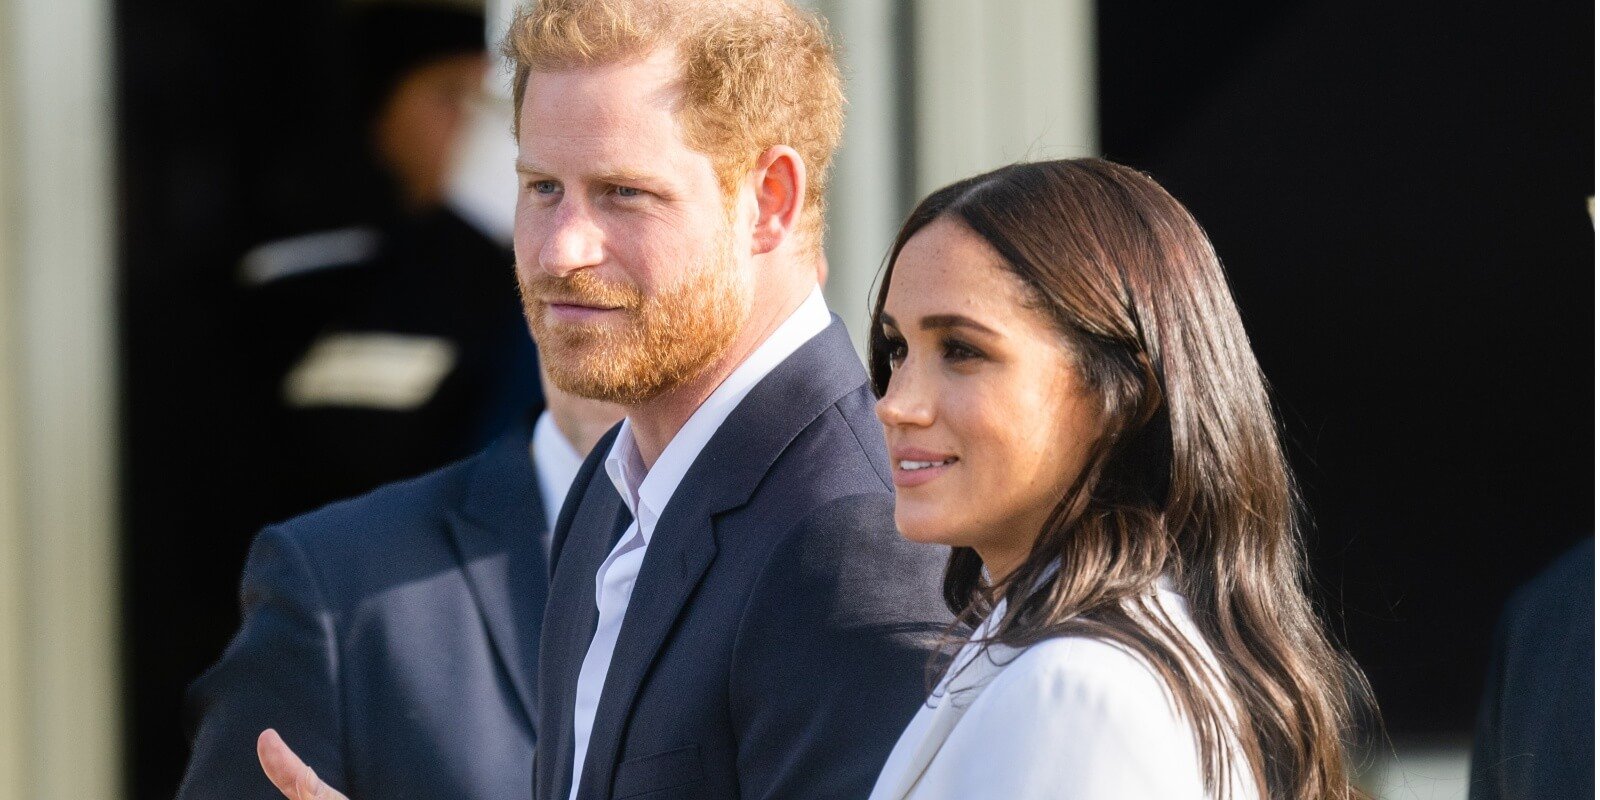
(1187, 479)
(756, 73)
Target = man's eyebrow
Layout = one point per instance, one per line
(603, 174)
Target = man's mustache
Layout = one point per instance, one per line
(581, 288)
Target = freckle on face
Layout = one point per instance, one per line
(1017, 418)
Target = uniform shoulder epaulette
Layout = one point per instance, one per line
(309, 252)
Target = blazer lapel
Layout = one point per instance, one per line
(573, 617)
(672, 569)
(959, 695)
(499, 531)
(723, 477)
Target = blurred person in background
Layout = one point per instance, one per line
(1535, 734)
(315, 309)
(387, 348)
(395, 636)
(396, 633)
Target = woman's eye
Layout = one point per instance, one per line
(896, 350)
(959, 351)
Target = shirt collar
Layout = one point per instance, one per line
(647, 492)
(556, 462)
(625, 467)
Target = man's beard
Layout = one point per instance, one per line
(667, 338)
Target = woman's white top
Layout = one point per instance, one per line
(1073, 717)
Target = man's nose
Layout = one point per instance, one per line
(573, 242)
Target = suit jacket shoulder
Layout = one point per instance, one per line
(353, 546)
(390, 640)
(844, 561)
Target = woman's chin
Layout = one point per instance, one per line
(923, 527)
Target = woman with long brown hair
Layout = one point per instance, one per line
(1072, 405)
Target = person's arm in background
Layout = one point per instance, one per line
(280, 672)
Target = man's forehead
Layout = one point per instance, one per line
(648, 81)
(608, 96)
(623, 143)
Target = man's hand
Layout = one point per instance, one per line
(287, 772)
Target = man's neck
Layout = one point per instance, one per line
(656, 421)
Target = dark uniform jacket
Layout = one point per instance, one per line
(404, 350)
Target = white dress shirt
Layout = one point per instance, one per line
(556, 463)
(1074, 717)
(647, 493)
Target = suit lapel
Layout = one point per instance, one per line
(672, 569)
(499, 530)
(599, 519)
(960, 693)
(723, 477)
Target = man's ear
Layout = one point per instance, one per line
(779, 177)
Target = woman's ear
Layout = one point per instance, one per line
(780, 189)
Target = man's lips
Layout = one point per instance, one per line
(569, 311)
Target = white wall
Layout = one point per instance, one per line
(59, 716)
(864, 201)
(13, 694)
(1000, 81)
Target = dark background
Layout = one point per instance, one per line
(1397, 191)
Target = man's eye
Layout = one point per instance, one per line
(545, 187)
(629, 191)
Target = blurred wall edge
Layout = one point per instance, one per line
(939, 91)
(59, 716)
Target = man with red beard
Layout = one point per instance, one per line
(731, 612)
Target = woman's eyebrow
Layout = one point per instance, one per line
(941, 321)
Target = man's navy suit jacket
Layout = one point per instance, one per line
(777, 638)
(391, 640)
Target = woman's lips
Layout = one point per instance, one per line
(917, 467)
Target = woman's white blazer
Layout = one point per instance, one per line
(1074, 718)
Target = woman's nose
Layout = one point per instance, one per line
(905, 402)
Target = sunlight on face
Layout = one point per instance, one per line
(626, 257)
(985, 415)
